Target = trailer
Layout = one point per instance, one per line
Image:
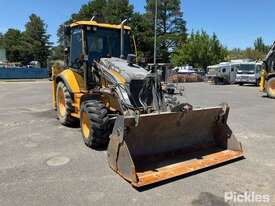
(223, 73)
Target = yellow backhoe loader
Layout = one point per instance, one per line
(122, 105)
(267, 83)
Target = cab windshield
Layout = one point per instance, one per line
(106, 43)
(247, 69)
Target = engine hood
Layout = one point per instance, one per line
(128, 72)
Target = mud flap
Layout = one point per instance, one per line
(167, 145)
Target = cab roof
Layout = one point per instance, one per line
(102, 25)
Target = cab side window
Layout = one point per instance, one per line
(76, 48)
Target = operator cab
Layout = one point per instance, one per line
(92, 41)
(89, 41)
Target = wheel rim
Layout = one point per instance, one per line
(61, 102)
(272, 87)
(85, 125)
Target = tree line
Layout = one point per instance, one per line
(32, 44)
(257, 52)
(175, 45)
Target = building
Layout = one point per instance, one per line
(3, 57)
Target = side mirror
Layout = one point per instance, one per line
(131, 59)
(66, 55)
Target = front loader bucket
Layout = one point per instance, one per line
(166, 145)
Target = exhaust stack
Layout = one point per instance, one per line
(122, 39)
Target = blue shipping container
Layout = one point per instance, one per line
(23, 73)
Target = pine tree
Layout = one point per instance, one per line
(260, 45)
(35, 41)
(11, 42)
(143, 35)
(200, 50)
(94, 8)
(171, 28)
(118, 10)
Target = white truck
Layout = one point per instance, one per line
(249, 73)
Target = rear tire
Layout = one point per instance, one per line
(95, 126)
(271, 87)
(240, 84)
(64, 105)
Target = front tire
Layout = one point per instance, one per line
(271, 87)
(95, 126)
(64, 105)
